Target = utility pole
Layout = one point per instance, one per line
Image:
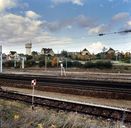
(130, 57)
(66, 63)
(0, 58)
(45, 62)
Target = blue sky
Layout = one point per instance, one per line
(71, 25)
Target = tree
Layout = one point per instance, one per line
(64, 53)
(103, 52)
(34, 53)
(54, 62)
(28, 57)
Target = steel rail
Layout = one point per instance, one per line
(81, 107)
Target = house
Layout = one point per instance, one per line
(47, 51)
(13, 56)
(110, 51)
(4, 57)
(73, 53)
(85, 52)
(110, 54)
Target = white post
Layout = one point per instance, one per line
(23, 61)
(33, 90)
(33, 84)
(122, 121)
(14, 63)
(61, 65)
(63, 73)
(1, 58)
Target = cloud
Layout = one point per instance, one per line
(18, 26)
(84, 21)
(17, 30)
(32, 14)
(95, 47)
(120, 16)
(129, 23)
(7, 4)
(98, 29)
(77, 2)
(80, 21)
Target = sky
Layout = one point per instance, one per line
(70, 25)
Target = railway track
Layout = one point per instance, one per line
(71, 83)
(115, 88)
(68, 105)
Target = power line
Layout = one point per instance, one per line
(119, 32)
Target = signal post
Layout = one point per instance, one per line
(33, 84)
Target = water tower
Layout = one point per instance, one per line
(28, 47)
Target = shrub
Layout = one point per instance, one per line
(76, 64)
(49, 64)
(98, 64)
(41, 63)
(89, 64)
(30, 63)
(69, 64)
(9, 63)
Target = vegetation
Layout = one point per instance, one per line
(19, 115)
(30, 63)
(102, 60)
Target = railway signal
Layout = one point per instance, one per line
(33, 84)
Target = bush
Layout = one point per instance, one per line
(69, 64)
(41, 63)
(76, 64)
(49, 64)
(30, 63)
(89, 64)
(98, 64)
(9, 63)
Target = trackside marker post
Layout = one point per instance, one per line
(33, 84)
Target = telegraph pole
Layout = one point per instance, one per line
(45, 62)
(0, 58)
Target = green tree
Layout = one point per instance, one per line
(64, 53)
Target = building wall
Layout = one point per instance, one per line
(28, 51)
(28, 47)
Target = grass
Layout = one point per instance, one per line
(14, 114)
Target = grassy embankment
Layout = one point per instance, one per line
(19, 115)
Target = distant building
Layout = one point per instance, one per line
(85, 52)
(4, 57)
(73, 53)
(28, 47)
(13, 56)
(110, 54)
(110, 51)
(47, 51)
